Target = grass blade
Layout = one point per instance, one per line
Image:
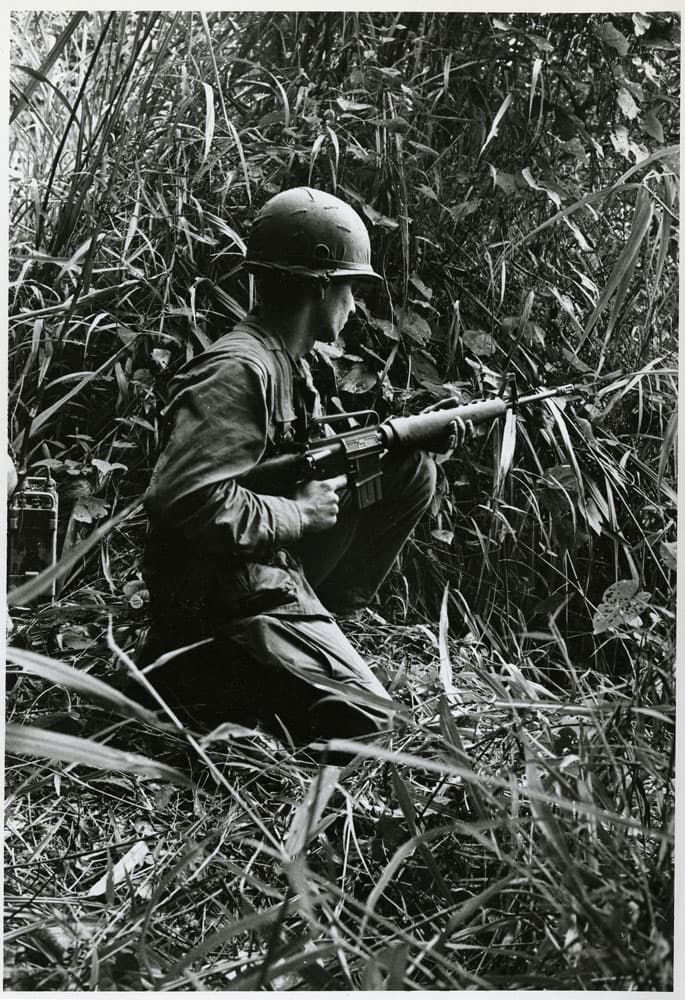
(48, 63)
(568, 447)
(121, 870)
(446, 678)
(624, 267)
(253, 921)
(507, 450)
(309, 812)
(399, 857)
(495, 123)
(590, 199)
(39, 422)
(38, 78)
(668, 446)
(77, 680)
(443, 767)
(30, 741)
(209, 119)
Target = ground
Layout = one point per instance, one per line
(505, 835)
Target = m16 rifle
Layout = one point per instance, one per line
(357, 453)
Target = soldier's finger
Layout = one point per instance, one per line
(337, 483)
(465, 431)
(449, 403)
(456, 433)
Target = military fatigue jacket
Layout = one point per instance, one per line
(216, 551)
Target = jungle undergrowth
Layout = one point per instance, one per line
(427, 867)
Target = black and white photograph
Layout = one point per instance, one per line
(341, 389)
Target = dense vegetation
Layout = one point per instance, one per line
(519, 178)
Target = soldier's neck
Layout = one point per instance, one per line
(296, 328)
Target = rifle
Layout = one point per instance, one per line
(357, 453)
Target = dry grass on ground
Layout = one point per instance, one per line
(504, 838)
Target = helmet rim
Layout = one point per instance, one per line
(358, 271)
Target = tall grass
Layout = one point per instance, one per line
(517, 832)
(507, 838)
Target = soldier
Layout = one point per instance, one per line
(261, 577)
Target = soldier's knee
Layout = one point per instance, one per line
(427, 473)
(420, 477)
(413, 471)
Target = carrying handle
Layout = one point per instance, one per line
(336, 418)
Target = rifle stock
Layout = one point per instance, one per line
(278, 476)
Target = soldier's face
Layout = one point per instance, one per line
(337, 305)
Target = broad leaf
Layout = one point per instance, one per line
(641, 23)
(386, 327)
(507, 451)
(530, 180)
(507, 182)
(415, 327)
(89, 509)
(422, 287)
(378, 219)
(652, 126)
(610, 35)
(346, 105)
(445, 668)
(621, 605)
(627, 104)
(358, 379)
(669, 554)
(426, 372)
(106, 467)
(479, 342)
(397, 124)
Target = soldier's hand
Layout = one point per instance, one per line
(460, 433)
(319, 503)
(456, 433)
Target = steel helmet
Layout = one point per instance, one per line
(310, 233)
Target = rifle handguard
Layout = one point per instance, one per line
(357, 453)
(426, 428)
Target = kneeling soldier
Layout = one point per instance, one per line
(262, 576)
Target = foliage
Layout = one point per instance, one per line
(518, 176)
(508, 837)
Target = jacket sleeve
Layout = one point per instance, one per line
(219, 431)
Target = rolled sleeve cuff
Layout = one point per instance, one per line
(288, 521)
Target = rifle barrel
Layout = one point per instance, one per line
(556, 390)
